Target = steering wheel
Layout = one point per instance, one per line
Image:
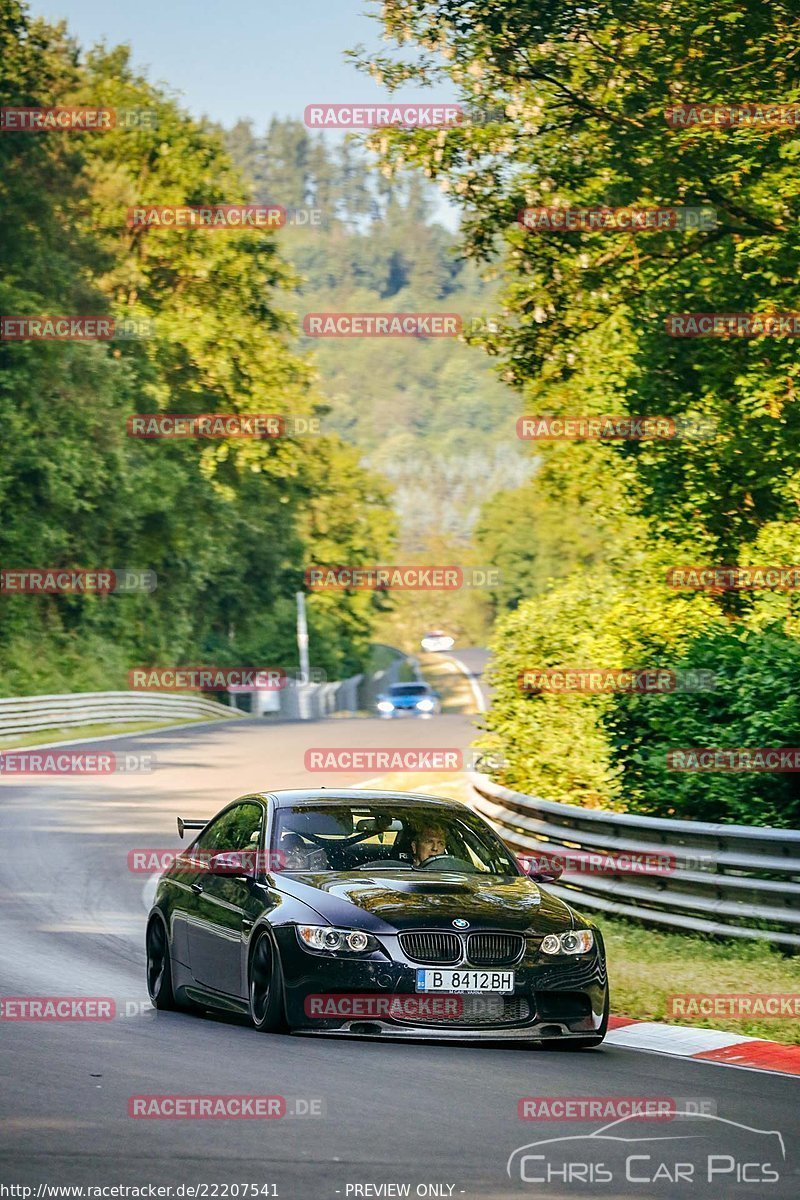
(376, 864)
(456, 863)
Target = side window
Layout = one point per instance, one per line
(237, 829)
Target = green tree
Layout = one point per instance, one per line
(225, 525)
(584, 92)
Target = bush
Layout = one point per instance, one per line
(610, 750)
(756, 702)
(561, 746)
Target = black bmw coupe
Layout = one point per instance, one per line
(372, 913)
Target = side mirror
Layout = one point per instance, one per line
(544, 868)
(233, 862)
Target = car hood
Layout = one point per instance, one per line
(417, 900)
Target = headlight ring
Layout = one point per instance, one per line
(330, 939)
(574, 941)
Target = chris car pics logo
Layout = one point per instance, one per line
(697, 1149)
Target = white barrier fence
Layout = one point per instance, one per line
(27, 714)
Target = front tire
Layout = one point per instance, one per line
(265, 987)
(159, 967)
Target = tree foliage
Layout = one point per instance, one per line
(576, 98)
(227, 526)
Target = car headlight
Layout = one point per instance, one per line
(425, 705)
(328, 939)
(576, 941)
(385, 706)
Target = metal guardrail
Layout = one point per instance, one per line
(732, 881)
(27, 714)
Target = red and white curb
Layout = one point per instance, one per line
(707, 1045)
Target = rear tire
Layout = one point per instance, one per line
(264, 987)
(159, 967)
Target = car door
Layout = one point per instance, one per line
(224, 907)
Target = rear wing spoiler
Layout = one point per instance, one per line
(184, 825)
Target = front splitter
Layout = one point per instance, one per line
(550, 1031)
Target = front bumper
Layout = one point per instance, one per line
(553, 999)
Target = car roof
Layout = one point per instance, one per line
(291, 798)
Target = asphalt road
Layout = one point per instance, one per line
(473, 662)
(72, 923)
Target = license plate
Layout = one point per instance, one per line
(476, 982)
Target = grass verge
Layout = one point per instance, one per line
(647, 966)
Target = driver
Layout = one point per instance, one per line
(430, 841)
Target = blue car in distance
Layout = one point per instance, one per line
(414, 699)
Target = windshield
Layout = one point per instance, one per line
(411, 837)
(409, 689)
